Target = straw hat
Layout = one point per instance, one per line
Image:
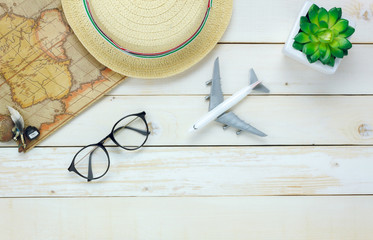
(148, 38)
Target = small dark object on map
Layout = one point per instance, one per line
(20, 144)
(6, 126)
(31, 133)
(16, 133)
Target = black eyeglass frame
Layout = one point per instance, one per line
(100, 144)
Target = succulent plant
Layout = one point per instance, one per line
(323, 35)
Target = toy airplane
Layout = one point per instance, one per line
(218, 107)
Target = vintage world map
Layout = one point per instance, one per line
(45, 72)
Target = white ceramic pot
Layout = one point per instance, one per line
(299, 56)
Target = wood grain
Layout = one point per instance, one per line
(288, 120)
(260, 218)
(279, 73)
(272, 20)
(208, 171)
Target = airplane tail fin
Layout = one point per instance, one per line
(253, 79)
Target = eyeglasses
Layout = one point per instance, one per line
(130, 133)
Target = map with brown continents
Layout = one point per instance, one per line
(45, 72)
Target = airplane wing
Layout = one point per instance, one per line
(231, 119)
(216, 95)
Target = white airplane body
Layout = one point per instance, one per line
(218, 107)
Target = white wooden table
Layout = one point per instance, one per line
(311, 178)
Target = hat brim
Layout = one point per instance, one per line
(166, 66)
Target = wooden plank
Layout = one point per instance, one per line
(260, 218)
(208, 171)
(272, 20)
(288, 120)
(280, 74)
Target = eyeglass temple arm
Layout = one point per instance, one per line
(90, 172)
(142, 132)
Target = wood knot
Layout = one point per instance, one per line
(153, 128)
(366, 15)
(365, 130)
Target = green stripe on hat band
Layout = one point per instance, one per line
(145, 55)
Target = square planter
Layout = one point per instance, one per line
(299, 56)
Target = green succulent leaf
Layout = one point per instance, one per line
(310, 48)
(313, 14)
(323, 48)
(344, 44)
(314, 57)
(298, 46)
(325, 58)
(335, 32)
(336, 52)
(334, 15)
(313, 38)
(315, 8)
(302, 38)
(304, 20)
(323, 16)
(348, 32)
(323, 24)
(331, 61)
(314, 28)
(306, 27)
(340, 26)
(339, 13)
(334, 44)
(345, 52)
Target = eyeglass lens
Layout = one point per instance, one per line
(92, 162)
(131, 132)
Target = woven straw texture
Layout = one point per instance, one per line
(148, 27)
